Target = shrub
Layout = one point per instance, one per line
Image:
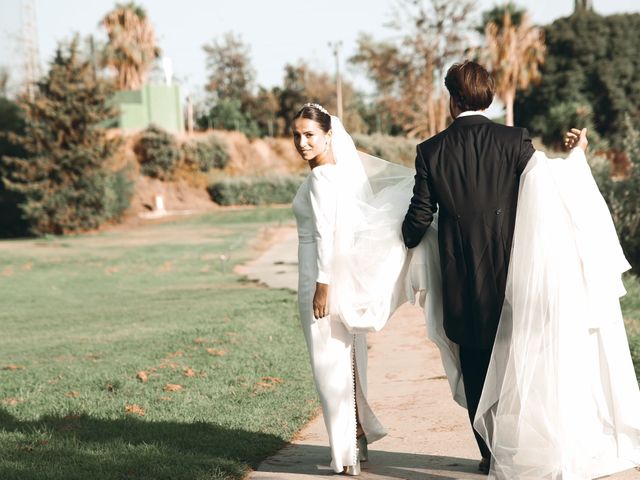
(118, 193)
(205, 155)
(229, 115)
(400, 150)
(157, 153)
(623, 198)
(255, 190)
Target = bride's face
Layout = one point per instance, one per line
(309, 138)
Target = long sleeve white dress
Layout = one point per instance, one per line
(338, 358)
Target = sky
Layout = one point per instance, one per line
(277, 31)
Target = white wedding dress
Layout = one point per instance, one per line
(338, 357)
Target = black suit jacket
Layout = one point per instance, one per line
(471, 172)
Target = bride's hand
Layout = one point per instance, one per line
(320, 301)
(576, 138)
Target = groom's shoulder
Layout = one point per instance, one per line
(508, 132)
(433, 141)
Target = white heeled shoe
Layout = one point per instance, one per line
(352, 470)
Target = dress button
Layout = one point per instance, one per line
(499, 211)
(457, 217)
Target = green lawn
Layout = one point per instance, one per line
(141, 355)
(86, 320)
(631, 309)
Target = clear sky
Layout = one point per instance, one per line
(278, 31)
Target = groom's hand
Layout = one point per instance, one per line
(320, 300)
(576, 138)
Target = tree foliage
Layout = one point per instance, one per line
(592, 62)
(231, 75)
(622, 196)
(61, 179)
(132, 46)
(513, 52)
(302, 84)
(409, 72)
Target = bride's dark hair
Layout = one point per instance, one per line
(316, 113)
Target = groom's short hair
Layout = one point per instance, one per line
(470, 85)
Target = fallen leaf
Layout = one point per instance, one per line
(274, 380)
(135, 409)
(200, 340)
(189, 372)
(27, 266)
(72, 394)
(166, 267)
(142, 376)
(172, 387)
(166, 399)
(267, 383)
(7, 272)
(177, 353)
(11, 401)
(216, 352)
(13, 368)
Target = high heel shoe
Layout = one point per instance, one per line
(363, 448)
(352, 470)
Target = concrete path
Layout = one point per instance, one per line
(429, 434)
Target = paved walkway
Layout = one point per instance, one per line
(429, 434)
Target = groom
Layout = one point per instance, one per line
(471, 172)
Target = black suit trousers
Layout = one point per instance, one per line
(474, 363)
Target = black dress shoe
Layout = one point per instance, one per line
(484, 465)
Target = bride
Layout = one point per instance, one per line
(561, 398)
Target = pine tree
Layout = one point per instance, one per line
(62, 179)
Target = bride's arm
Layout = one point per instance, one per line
(323, 203)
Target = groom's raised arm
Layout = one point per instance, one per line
(422, 207)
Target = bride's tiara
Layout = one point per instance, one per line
(317, 107)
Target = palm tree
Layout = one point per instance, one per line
(514, 52)
(131, 48)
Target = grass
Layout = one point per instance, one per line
(630, 304)
(141, 355)
(85, 320)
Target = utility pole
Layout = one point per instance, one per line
(30, 48)
(335, 46)
(583, 5)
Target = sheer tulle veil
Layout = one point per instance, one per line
(369, 253)
(373, 273)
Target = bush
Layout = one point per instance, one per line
(623, 198)
(157, 153)
(118, 193)
(564, 116)
(255, 190)
(400, 150)
(229, 115)
(205, 155)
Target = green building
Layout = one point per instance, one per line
(152, 104)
